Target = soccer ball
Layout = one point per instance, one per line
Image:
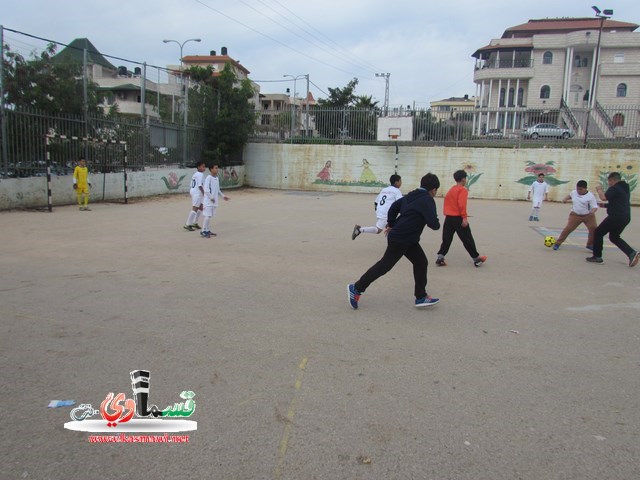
(549, 241)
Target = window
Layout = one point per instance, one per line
(576, 60)
(520, 96)
(511, 94)
(547, 58)
(545, 91)
(618, 58)
(502, 92)
(621, 91)
(585, 62)
(618, 120)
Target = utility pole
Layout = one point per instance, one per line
(385, 107)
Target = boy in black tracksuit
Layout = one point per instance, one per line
(618, 205)
(415, 210)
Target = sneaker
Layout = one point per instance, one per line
(86, 209)
(212, 234)
(81, 208)
(188, 227)
(589, 247)
(205, 234)
(196, 226)
(531, 218)
(597, 260)
(536, 219)
(355, 233)
(440, 262)
(354, 296)
(480, 260)
(556, 246)
(426, 301)
(634, 258)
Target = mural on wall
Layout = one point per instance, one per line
(628, 173)
(229, 177)
(472, 176)
(534, 169)
(367, 177)
(173, 182)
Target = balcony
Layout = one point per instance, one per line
(504, 69)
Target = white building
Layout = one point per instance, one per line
(544, 71)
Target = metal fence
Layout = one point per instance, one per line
(96, 138)
(609, 126)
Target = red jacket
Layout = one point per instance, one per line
(455, 202)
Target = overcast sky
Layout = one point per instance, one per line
(426, 46)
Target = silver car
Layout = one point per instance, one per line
(547, 130)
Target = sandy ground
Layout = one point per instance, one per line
(527, 369)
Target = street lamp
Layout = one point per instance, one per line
(186, 94)
(602, 15)
(386, 76)
(295, 78)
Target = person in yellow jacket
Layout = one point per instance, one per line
(81, 184)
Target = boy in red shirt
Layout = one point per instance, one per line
(455, 210)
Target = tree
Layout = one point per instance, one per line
(46, 85)
(227, 115)
(332, 117)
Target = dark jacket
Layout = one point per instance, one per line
(408, 216)
(618, 204)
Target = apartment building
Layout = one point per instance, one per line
(545, 71)
(452, 107)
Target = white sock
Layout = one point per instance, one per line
(198, 213)
(536, 212)
(369, 229)
(206, 223)
(191, 219)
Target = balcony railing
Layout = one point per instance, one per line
(507, 63)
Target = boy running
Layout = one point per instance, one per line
(455, 209)
(384, 200)
(583, 211)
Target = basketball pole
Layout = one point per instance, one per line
(396, 167)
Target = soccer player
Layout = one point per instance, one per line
(617, 198)
(406, 220)
(455, 210)
(385, 198)
(583, 211)
(197, 193)
(540, 190)
(81, 184)
(211, 193)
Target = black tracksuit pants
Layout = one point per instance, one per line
(614, 227)
(454, 225)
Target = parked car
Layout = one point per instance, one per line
(547, 130)
(495, 133)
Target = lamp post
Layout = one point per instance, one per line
(186, 94)
(386, 76)
(293, 105)
(602, 15)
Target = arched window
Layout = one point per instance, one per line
(621, 91)
(545, 91)
(547, 58)
(618, 120)
(511, 94)
(585, 62)
(502, 92)
(520, 96)
(576, 60)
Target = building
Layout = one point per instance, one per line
(545, 70)
(118, 87)
(450, 108)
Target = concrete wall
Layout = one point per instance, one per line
(32, 192)
(493, 173)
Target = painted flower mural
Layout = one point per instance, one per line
(173, 182)
(535, 169)
(628, 173)
(472, 176)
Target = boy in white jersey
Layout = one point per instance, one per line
(211, 193)
(540, 190)
(384, 200)
(197, 194)
(583, 211)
